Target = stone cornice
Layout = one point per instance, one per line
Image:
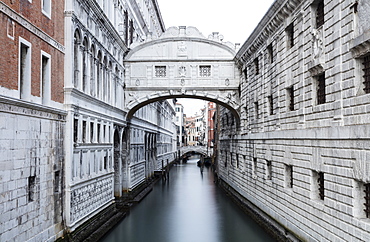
(18, 106)
(273, 19)
(159, 15)
(30, 27)
(139, 16)
(360, 46)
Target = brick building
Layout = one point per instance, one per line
(32, 119)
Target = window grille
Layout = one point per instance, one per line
(321, 95)
(245, 72)
(271, 104)
(205, 71)
(367, 200)
(290, 35)
(290, 91)
(366, 65)
(256, 66)
(268, 169)
(289, 176)
(256, 109)
(75, 130)
(320, 14)
(320, 182)
(254, 168)
(160, 71)
(270, 51)
(31, 188)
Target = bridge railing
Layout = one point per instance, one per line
(197, 149)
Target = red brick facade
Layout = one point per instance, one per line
(10, 33)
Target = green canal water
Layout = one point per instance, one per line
(189, 207)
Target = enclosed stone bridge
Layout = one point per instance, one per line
(182, 63)
(196, 149)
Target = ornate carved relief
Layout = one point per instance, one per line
(182, 71)
(90, 197)
(317, 43)
(181, 49)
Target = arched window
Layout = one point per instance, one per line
(76, 58)
(99, 74)
(84, 64)
(92, 71)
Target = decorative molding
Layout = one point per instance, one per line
(273, 19)
(20, 107)
(360, 46)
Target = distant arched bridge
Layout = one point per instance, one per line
(196, 149)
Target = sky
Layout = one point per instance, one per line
(234, 19)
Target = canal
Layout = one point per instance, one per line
(187, 208)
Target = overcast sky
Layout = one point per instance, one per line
(234, 19)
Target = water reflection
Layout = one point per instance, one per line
(187, 208)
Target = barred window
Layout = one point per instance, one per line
(270, 52)
(290, 98)
(320, 182)
(256, 66)
(320, 14)
(160, 71)
(289, 176)
(366, 66)
(367, 199)
(245, 72)
(31, 188)
(290, 35)
(321, 94)
(256, 109)
(271, 104)
(204, 71)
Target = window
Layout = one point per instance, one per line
(256, 109)
(204, 71)
(320, 14)
(24, 69)
(271, 104)
(10, 28)
(245, 72)
(46, 7)
(254, 167)
(366, 76)
(75, 130)
(321, 95)
(256, 66)
(160, 71)
(367, 199)
(362, 199)
(98, 131)
(270, 52)
(92, 132)
(268, 169)
(57, 181)
(31, 188)
(290, 98)
(290, 35)
(289, 176)
(320, 182)
(84, 131)
(45, 78)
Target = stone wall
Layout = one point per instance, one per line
(301, 158)
(31, 174)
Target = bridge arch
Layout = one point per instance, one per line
(182, 63)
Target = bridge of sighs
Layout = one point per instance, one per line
(182, 63)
